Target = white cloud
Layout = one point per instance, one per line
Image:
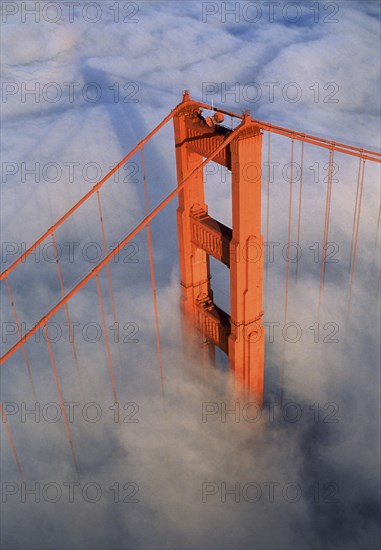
(171, 452)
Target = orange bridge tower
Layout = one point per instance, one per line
(240, 335)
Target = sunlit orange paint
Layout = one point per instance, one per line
(241, 333)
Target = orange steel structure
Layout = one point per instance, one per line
(200, 140)
(240, 335)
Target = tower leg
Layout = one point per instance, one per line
(194, 262)
(246, 340)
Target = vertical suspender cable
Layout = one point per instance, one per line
(378, 221)
(11, 442)
(300, 210)
(289, 230)
(287, 263)
(153, 283)
(378, 228)
(326, 229)
(352, 275)
(20, 335)
(355, 214)
(267, 205)
(109, 278)
(106, 338)
(376, 242)
(71, 334)
(60, 396)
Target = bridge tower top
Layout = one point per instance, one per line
(200, 236)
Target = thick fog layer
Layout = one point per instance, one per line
(181, 463)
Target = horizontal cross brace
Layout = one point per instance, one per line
(211, 235)
(204, 140)
(214, 324)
